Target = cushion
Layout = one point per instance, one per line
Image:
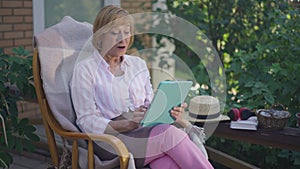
(59, 47)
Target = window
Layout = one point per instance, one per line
(50, 12)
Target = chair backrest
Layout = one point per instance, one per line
(58, 48)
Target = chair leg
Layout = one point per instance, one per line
(90, 155)
(75, 154)
(52, 144)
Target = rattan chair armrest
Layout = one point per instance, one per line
(115, 142)
(110, 139)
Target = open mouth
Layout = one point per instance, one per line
(121, 47)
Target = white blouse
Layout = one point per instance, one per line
(98, 96)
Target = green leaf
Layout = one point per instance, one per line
(259, 85)
(249, 84)
(284, 154)
(19, 50)
(256, 91)
(271, 159)
(19, 145)
(14, 120)
(269, 98)
(28, 145)
(11, 141)
(5, 159)
(23, 122)
(29, 129)
(32, 137)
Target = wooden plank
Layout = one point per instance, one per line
(287, 138)
(227, 160)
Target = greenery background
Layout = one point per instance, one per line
(15, 82)
(258, 43)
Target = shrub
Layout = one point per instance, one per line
(15, 81)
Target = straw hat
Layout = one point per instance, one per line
(205, 109)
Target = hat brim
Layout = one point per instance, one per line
(218, 119)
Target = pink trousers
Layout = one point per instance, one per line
(170, 148)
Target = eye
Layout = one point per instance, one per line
(126, 32)
(114, 33)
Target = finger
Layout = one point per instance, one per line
(177, 109)
(175, 113)
(143, 106)
(137, 119)
(138, 114)
(141, 109)
(184, 105)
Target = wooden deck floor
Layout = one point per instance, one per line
(38, 160)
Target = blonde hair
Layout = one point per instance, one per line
(108, 17)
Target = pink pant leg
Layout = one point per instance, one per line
(173, 142)
(164, 162)
(188, 155)
(159, 142)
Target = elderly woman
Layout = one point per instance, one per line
(111, 92)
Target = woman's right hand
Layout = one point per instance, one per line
(135, 117)
(138, 114)
(127, 121)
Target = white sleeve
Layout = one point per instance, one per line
(149, 90)
(89, 118)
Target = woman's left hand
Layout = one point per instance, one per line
(178, 111)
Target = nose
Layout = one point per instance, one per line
(121, 37)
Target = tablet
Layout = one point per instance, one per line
(167, 95)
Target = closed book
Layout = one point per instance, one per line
(249, 124)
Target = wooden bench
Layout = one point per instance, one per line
(287, 138)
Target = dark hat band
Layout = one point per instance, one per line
(211, 116)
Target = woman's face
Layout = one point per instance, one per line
(115, 42)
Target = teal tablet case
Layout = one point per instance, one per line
(168, 95)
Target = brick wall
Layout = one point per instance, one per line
(16, 24)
